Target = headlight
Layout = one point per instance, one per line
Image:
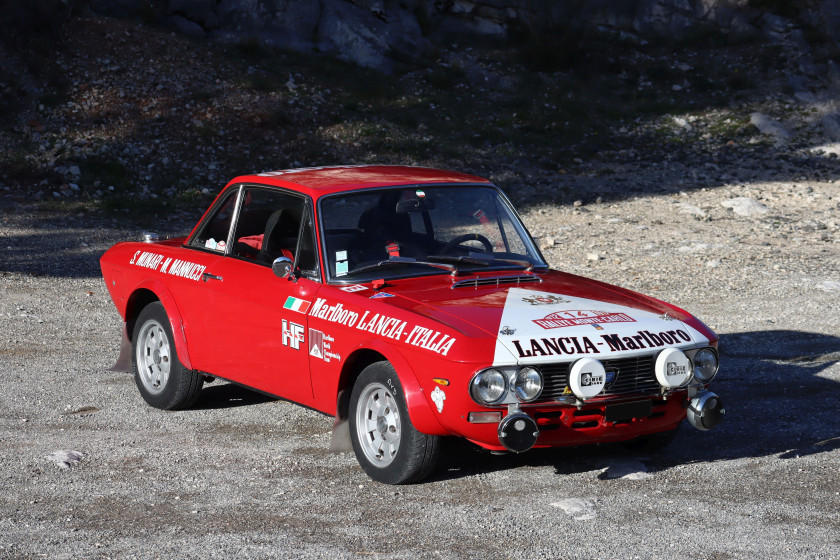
(705, 365)
(488, 386)
(528, 384)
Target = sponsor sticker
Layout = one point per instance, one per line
(438, 396)
(292, 334)
(354, 288)
(507, 331)
(544, 299)
(320, 346)
(383, 325)
(379, 295)
(574, 318)
(296, 304)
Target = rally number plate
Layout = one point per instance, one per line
(627, 411)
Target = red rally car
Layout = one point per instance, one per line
(411, 304)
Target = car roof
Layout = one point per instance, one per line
(319, 181)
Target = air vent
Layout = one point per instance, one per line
(496, 281)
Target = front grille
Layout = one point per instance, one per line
(496, 281)
(634, 375)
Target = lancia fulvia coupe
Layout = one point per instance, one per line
(411, 304)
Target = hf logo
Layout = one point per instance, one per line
(292, 334)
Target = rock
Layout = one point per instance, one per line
(768, 126)
(65, 458)
(629, 469)
(829, 286)
(744, 206)
(579, 509)
(686, 208)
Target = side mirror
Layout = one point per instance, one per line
(282, 267)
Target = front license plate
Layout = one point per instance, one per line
(627, 411)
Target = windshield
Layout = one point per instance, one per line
(406, 231)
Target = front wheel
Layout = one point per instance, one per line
(387, 446)
(161, 378)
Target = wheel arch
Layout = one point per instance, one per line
(151, 292)
(420, 412)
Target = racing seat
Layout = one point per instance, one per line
(281, 234)
(381, 226)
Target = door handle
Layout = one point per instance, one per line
(207, 276)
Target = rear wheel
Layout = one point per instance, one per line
(387, 446)
(161, 378)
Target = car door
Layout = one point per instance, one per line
(255, 322)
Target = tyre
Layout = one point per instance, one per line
(161, 378)
(387, 446)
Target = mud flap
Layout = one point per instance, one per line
(124, 360)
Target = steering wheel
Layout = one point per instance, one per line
(488, 247)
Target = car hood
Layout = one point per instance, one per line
(559, 318)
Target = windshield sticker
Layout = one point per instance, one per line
(383, 325)
(438, 396)
(353, 288)
(295, 304)
(341, 268)
(544, 299)
(292, 334)
(573, 318)
(168, 265)
(379, 295)
(320, 346)
(341, 255)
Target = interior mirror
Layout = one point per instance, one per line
(415, 205)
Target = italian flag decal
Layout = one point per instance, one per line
(295, 304)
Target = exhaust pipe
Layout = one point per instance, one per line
(705, 411)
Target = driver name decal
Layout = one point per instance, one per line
(167, 265)
(573, 318)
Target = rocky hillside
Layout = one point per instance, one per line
(100, 113)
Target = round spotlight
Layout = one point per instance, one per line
(673, 368)
(705, 365)
(488, 386)
(705, 411)
(587, 378)
(528, 384)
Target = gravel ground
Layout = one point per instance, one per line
(727, 204)
(248, 476)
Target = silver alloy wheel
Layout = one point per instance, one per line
(153, 357)
(378, 425)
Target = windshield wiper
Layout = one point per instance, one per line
(471, 259)
(481, 260)
(400, 261)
